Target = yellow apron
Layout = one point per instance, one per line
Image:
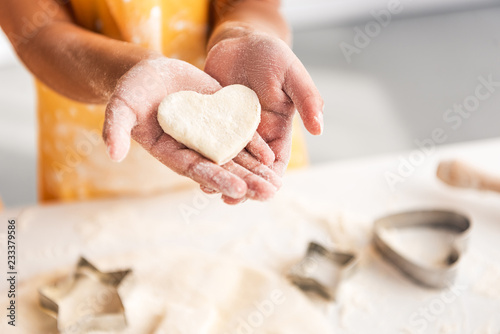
(72, 162)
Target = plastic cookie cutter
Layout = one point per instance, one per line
(432, 275)
(322, 270)
(86, 301)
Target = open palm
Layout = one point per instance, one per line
(132, 113)
(268, 66)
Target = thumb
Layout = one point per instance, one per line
(118, 124)
(300, 87)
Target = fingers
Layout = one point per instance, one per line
(257, 188)
(207, 190)
(191, 164)
(249, 162)
(255, 171)
(283, 147)
(300, 87)
(233, 201)
(214, 177)
(118, 124)
(277, 132)
(260, 150)
(236, 183)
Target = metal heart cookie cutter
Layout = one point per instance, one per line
(321, 270)
(427, 274)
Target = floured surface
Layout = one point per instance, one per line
(334, 204)
(217, 126)
(179, 292)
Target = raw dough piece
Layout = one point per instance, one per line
(217, 126)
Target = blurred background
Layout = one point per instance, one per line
(392, 91)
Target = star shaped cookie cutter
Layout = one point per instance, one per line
(322, 270)
(87, 300)
(433, 276)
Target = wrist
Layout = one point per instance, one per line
(229, 30)
(237, 29)
(256, 16)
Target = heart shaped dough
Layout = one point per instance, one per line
(217, 126)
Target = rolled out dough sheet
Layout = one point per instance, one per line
(172, 292)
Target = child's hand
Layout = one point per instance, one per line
(268, 66)
(132, 112)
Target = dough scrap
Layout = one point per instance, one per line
(217, 126)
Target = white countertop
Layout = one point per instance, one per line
(333, 203)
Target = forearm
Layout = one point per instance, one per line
(75, 62)
(80, 64)
(233, 18)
